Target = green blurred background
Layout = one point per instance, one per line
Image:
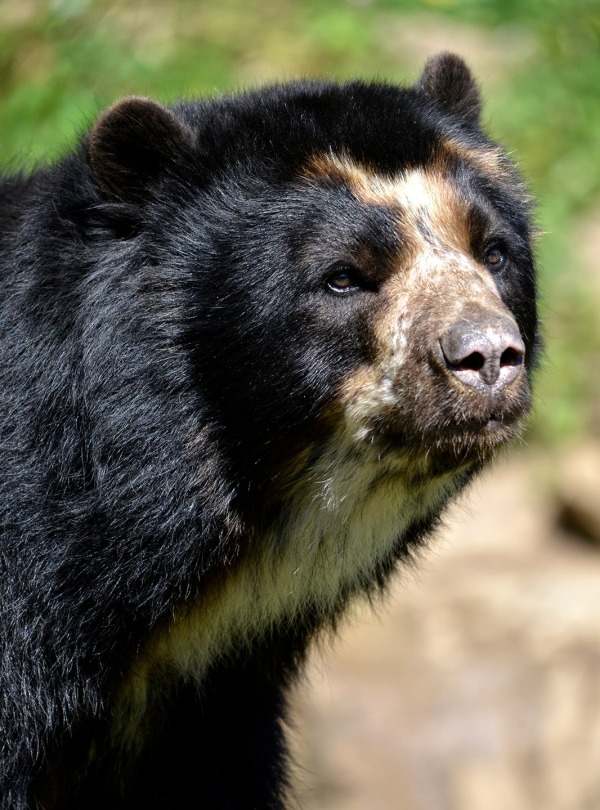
(538, 62)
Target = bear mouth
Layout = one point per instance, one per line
(451, 446)
(464, 429)
(451, 451)
(493, 425)
(470, 443)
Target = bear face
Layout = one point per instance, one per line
(251, 349)
(362, 248)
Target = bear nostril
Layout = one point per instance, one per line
(474, 362)
(511, 357)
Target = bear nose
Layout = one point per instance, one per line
(488, 351)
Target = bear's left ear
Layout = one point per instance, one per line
(448, 81)
(133, 143)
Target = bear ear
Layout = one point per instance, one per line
(135, 142)
(448, 81)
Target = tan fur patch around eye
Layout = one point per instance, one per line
(430, 207)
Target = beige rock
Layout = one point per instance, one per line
(578, 491)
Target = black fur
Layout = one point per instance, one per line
(167, 351)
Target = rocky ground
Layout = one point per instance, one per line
(476, 686)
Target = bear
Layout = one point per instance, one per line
(252, 346)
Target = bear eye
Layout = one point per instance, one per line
(343, 280)
(495, 257)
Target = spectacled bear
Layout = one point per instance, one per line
(251, 348)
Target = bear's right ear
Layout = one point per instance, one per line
(448, 81)
(135, 142)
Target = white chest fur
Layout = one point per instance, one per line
(341, 520)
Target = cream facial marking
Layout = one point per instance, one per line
(435, 264)
(430, 209)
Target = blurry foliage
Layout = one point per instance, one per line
(61, 61)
